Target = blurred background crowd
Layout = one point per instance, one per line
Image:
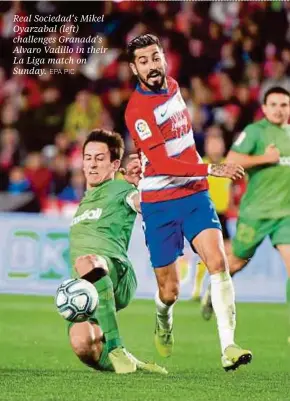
(224, 55)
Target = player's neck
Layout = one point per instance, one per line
(282, 125)
(90, 187)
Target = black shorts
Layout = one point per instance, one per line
(225, 230)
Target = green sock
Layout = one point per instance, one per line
(106, 313)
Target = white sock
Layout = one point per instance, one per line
(164, 313)
(223, 302)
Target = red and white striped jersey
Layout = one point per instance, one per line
(162, 118)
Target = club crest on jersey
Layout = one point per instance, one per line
(142, 129)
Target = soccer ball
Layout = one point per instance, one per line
(76, 300)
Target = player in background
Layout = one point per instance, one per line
(174, 197)
(263, 149)
(99, 239)
(219, 191)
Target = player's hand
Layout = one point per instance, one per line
(132, 171)
(227, 170)
(272, 154)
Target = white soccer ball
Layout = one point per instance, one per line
(76, 300)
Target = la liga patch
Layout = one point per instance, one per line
(143, 129)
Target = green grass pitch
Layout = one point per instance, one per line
(36, 363)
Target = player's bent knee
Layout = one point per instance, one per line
(236, 263)
(169, 294)
(217, 264)
(81, 338)
(81, 346)
(86, 341)
(91, 267)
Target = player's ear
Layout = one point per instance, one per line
(264, 108)
(133, 68)
(116, 165)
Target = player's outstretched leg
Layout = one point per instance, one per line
(95, 269)
(199, 276)
(87, 342)
(235, 265)
(209, 245)
(166, 296)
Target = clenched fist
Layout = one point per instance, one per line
(132, 171)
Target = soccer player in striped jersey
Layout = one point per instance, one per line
(174, 196)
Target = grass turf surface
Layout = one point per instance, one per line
(36, 363)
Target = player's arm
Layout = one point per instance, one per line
(152, 144)
(133, 200)
(132, 172)
(244, 146)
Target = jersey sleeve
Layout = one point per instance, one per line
(129, 200)
(126, 194)
(246, 141)
(143, 129)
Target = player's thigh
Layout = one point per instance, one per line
(249, 235)
(209, 245)
(197, 214)
(126, 287)
(162, 230)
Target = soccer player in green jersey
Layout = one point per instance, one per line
(99, 239)
(263, 149)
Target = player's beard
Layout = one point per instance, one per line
(157, 86)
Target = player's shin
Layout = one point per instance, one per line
(94, 268)
(223, 301)
(106, 312)
(164, 313)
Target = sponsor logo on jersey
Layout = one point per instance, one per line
(143, 129)
(179, 124)
(164, 111)
(93, 214)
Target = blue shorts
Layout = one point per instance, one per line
(167, 223)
